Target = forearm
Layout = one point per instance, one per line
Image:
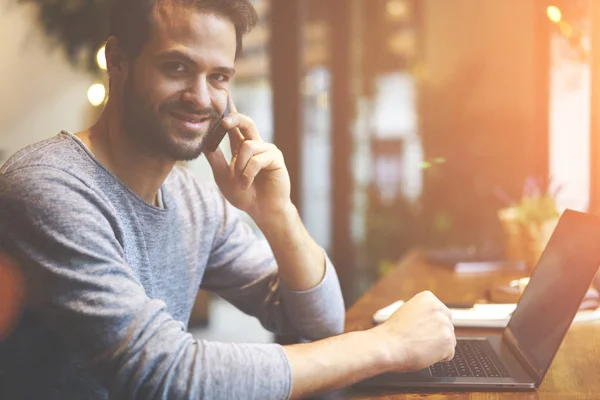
(301, 261)
(336, 362)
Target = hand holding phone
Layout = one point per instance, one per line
(216, 135)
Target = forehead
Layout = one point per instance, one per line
(177, 26)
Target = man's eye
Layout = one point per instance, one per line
(174, 67)
(220, 77)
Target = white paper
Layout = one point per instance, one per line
(481, 315)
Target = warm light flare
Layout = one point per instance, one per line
(101, 58)
(565, 28)
(397, 9)
(554, 14)
(96, 94)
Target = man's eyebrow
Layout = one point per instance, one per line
(226, 70)
(176, 54)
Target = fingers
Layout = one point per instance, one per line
(445, 310)
(449, 337)
(230, 104)
(435, 303)
(246, 151)
(254, 157)
(449, 357)
(450, 332)
(452, 341)
(218, 163)
(452, 352)
(246, 126)
(448, 343)
(258, 163)
(235, 140)
(239, 126)
(230, 123)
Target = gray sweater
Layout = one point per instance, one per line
(111, 282)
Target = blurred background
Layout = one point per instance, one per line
(405, 123)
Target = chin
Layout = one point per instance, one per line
(185, 150)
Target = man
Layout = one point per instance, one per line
(113, 240)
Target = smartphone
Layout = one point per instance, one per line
(216, 135)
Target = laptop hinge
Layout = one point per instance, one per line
(513, 345)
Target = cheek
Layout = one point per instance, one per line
(154, 89)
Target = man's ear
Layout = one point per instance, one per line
(117, 62)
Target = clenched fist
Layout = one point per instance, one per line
(418, 334)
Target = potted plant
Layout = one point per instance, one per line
(529, 222)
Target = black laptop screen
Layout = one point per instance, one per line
(556, 288)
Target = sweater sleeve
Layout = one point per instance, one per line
(243, 270)
(65, 240)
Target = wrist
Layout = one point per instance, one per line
(278, 219)
(389, 351)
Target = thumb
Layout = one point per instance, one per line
(218, 164)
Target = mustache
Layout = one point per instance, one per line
(186, 108)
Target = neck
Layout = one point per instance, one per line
(116, 151)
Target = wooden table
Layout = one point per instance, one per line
(574, 374)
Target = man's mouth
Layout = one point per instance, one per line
(191, 118)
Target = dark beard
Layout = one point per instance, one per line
(151, 134)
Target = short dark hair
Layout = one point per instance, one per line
(131, 20)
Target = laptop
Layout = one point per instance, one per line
(519, 357)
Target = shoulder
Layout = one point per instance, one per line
(54, 170)
(41, 191)
(61, 152)
(39, 183)
(49, 207)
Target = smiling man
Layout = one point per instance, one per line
(113, 240)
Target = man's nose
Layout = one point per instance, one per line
(197, 95)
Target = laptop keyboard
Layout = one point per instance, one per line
(473, 358)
